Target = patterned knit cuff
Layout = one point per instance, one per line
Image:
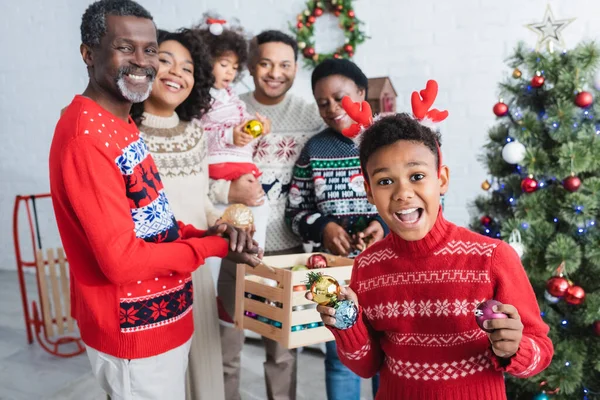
(522, 364)
(219, 191)
(354, 338)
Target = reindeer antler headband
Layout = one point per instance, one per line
(421, 103)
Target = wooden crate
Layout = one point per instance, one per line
(276, 304)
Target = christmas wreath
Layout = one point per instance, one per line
(304, 30)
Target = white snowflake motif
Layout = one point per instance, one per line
(393, 310)
(286, 148)
(442, 308)
(425, 308)
(461, 307)
(379, 311)
(409, 308)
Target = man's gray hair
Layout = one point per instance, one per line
(93, 22)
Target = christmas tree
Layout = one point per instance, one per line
(543, 197)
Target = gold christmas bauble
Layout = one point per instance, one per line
(325, 291)
(315, 58)
(486, 185)
(517, 73)
(238, 215)
(301, 45)
(254, 128)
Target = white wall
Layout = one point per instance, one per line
(461, 43)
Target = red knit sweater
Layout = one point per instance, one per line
(130, 260)
(416, 323)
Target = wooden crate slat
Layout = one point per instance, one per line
(276, 274)
(268, 292)
(299, 299)
(262, 329)
(44, 296)
(309, 336)
(305, 317)
(264, 310)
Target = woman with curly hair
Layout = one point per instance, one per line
(169, 122)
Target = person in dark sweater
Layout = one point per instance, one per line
(327, 203)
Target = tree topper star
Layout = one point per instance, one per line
(550, 30)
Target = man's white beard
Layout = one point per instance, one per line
(134, 97)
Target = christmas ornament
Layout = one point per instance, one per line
(306, 12)
(340, 7)
(549, 298)
(238, 215)
(300, 17)
(325, 290)
(318, 12)
(515, 242)
(514, 152)
(575, 295)
(315, 58)
(486, 185)
(500, 109)
(309, 52)
(557, 286)
(348, 48)
(584, 99)
(537, 81)
(529, 185)
(596, 327)
(299, 268)
(336, 55)
(316, 261)
(516, 73)
(484, 311)
(541, 396)
(299, 25)
(301, 45)
(549, 30)
(337, 13)
(351, 13)
(312, 19)
(572, 183)
(299, 288)
(486, 221)
(254, 128)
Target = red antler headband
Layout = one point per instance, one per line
(421, 103)
(359, 112)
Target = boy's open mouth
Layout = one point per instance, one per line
(409, 215)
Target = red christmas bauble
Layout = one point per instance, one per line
(337, 13)
(348, 48)
(572, 183)
(350, 54)
(486, 220)
(596, 326)
(351, 13)
(529, 185)
(584, 99)
(500, 109)
(336, 55)
(537, 81)
(557, 286)
(316, 261)
(318, 12)
(309, 52)
(308, 24)
(299, 25)
(351, 28)
(575, 295)
(312, 19)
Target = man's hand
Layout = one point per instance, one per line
(252, 257)
(246, 190)
(507, 333)
(240, 137)
(328, 313)
(372, 234)
(336, 240)
(242, 248)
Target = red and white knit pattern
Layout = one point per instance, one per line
(420, 323)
